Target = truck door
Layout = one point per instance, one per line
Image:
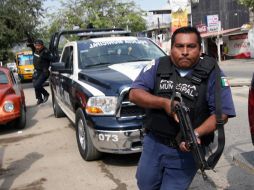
(66, 80)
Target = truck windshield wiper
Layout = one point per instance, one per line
(98, 64)
(141, 59)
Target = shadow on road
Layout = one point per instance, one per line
(238, 172)
(121, 159)
(16, 168)
(27, 84)
(31, 111)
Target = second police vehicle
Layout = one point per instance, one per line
(90, 81)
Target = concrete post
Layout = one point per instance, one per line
(218, 42)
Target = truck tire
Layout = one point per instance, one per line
(84, 141)
(58, 112)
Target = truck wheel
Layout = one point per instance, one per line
(58, 112)
(20, 122)
(85, 144)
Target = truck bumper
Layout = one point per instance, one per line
(117, 142)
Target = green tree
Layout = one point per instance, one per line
(19, 20)
(101, 13)
(248, 3)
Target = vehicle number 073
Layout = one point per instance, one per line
(108, 137)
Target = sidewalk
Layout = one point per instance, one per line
(233, 81)
(245, 157)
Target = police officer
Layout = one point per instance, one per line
(165, 163)
(42, 58)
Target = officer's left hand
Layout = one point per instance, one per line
(174, 115)
(184, 147)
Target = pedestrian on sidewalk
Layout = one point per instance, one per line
(159, 41)
(167, 163)
(225, 51)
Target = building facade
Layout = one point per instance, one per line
(230, 13)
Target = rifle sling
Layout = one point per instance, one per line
(214, 158)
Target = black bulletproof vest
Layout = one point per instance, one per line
(193, 89)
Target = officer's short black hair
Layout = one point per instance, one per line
(38, 42)
(186, 30)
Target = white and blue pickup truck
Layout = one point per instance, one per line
(90, 80)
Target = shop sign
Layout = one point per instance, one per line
(202, 28)
(239, 46)
(212, 23)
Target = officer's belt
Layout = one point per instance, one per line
(169, 141)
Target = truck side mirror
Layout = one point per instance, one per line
(60, 68)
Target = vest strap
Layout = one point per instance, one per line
(202, 69)
(165, 67)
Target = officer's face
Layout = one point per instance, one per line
(186, 50)
(38, 47)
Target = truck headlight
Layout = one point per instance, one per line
(8, 106)
(101, 105)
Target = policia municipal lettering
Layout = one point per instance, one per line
(42, 58)
(166, 162)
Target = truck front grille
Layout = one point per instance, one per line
(131, 111)
(128, 109)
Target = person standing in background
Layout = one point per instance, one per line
(159, 41)
(42, 58)
(225, 51)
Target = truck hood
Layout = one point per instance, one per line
(114, 76)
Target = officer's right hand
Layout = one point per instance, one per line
(169, 111)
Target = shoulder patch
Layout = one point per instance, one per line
(224, 82)
(149, 65)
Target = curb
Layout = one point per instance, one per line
(237, 82)
(237, 61)
(245, 161)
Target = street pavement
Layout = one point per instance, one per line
(244, 159)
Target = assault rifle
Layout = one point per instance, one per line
(189, 136)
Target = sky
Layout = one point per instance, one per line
(151, 4)
(146, 5)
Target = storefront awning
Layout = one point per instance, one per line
(222, 32)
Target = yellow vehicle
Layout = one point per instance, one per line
(24, 62)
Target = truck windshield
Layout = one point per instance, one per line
(96, 52)
(25, 60)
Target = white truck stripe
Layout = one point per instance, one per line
(131, 70)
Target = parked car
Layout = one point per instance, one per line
(12, 100)
(251, 108)
(90, 84)
(12, 66)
